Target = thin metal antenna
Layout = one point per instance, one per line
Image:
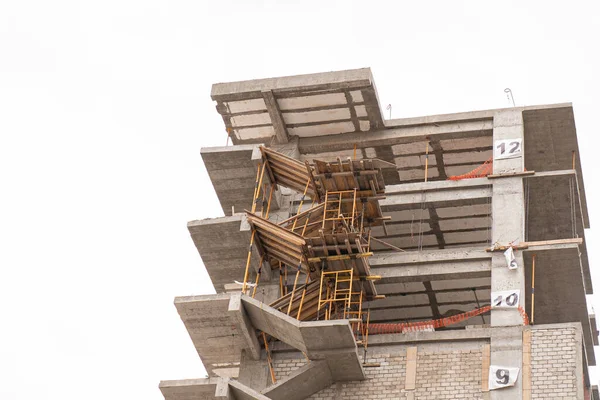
(509, 96)
(389, 107)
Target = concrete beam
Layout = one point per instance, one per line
(423, 273)
(243, 392)
(433, 186)
(332, 340)
(247, 330)
(431, 265)
(335, 80)
(276, 118)
(431, 256)
(429, 337)
(468, 116)
(445, 198)
(394, 136)
(302, 383)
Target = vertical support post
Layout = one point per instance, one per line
(526, 374)
(269, 359)
(301, 204)
(485, 368)
(411, 368)
(532, 289)
(293, 291)
(426, 158)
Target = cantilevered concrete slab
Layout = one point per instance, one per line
(233, 175)
(326, 103)
(431, 265)
(218, 335)
(223, 245)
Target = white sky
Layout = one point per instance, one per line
(105, 105)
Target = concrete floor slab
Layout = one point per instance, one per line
(192, 389)
(233, 175)
(223, 245)
(304, 105)
(215, 333)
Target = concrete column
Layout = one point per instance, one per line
(507, 351)
(508, 225)
(508, 216)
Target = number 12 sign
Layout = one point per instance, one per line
(507, 148)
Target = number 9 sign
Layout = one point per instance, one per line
(506, 299)
(501, 377)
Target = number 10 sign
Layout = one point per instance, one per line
(507, 148)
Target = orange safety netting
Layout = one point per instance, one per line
(482, 171)
(380, 329)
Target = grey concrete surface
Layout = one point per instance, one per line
(302, 383)
(232, 174)
(194, 389)
(305, 105)
(506, 349)
(223, 245)
(214, 331)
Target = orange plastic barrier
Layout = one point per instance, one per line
(380, 329)
(480, 172)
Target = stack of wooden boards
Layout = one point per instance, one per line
(333, 235)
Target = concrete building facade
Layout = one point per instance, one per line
(460, 217)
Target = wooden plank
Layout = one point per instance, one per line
(524, 173)
(259, 222)
(526, 364)
(411, 368)
(340, 257)
(318, 208)
(550, 242)
(282, 169)
(485, 367)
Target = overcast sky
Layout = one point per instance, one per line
(104, 106)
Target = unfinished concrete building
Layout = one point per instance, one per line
(363, 258)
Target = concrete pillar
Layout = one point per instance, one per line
(506, 350)
(508, 216)
(508, 225)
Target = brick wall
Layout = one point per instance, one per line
(284, 366)
(449, 375)
(454, 371)
(384, 382)
(554, 363)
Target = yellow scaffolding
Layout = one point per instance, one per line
(339, 301)
(334, 209)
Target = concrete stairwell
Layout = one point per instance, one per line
(329, 346)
